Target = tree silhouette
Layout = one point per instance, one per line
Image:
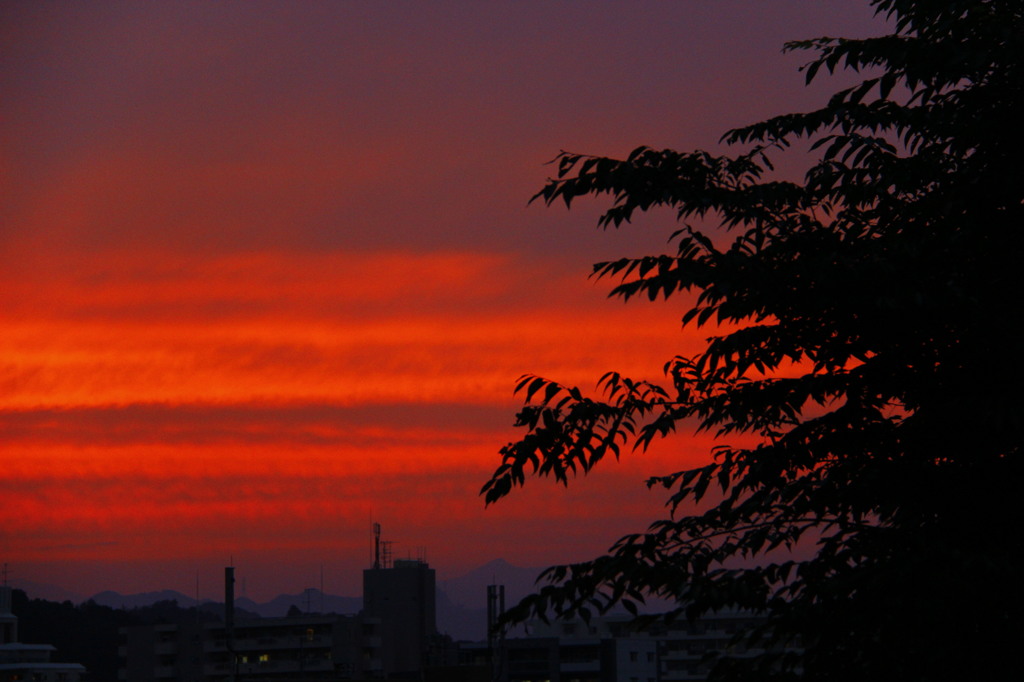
(873, 356)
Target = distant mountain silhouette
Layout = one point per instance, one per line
(470, 590)
(460, 622)
(461, 601)
(48, 592)
(468, 593)
(308, 601)
(116, 600)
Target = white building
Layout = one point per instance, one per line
(28, 662)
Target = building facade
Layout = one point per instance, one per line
(394, 637)
(301, 647)
(400, 600)
(612, 649)
(21, 662)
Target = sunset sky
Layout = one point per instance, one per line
(269, 273)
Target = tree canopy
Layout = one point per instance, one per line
(871, 352)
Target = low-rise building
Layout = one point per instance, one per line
(613, 649)
(301, 647)
(394, 637)
(20, 662)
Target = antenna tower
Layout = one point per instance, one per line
(376, 545)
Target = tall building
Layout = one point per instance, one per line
(399, 600)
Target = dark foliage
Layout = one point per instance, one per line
(88, 633)
(873, 356)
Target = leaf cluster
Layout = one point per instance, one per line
(870, 350)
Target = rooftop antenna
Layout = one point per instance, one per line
(322, 609)
(495, 635)
(376, 545)
(229, 618)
